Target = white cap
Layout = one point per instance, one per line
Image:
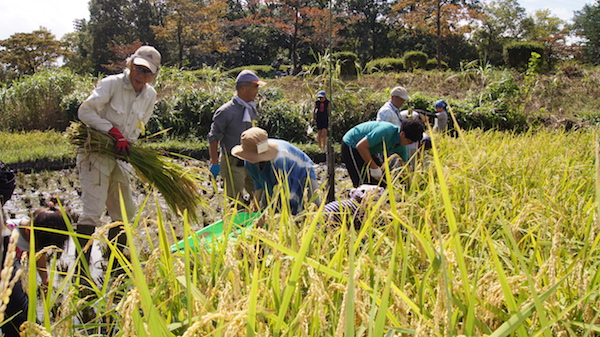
(148, 57)
(400, 92)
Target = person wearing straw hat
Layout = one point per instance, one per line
(229, 121)
(270, 161)
(120, 105)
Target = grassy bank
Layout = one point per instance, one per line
(50, 150)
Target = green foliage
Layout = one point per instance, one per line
(496, 108)
(587, 24)
(415, 60)
(261, 71)
(351, 107)
(45, 100)
(348, 64)
(432, 64)
(323, 69)
(517, 54)
(28, 53)
(487, 116)
(33, 146)
(420, 101)
(188, 113)
(284, 120)
(387, 64)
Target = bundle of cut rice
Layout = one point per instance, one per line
(178, 185)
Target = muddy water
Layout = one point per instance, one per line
(35, 188)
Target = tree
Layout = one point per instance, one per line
(587, 26)
(502, 22)
(121, 22)
(544, 24)
(27, 53)
(193, 27)
(439, 17)
(78, 45)
(109, 23)
(366, 27)
(297, 26)
(552, 32)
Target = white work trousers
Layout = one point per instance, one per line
(101, 178)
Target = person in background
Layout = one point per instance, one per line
(353, 208)
(120, 105)
(20, 230)
(270, 161)
(441, 116)
(321, 115)
(425, 141)
(229, 121)
(390, 111)
(363, 143)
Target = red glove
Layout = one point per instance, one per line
(121, 145)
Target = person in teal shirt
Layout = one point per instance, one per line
(362, 144)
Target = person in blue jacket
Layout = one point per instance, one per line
(271, 161)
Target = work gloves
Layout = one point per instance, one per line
(215, 169)
(376, 173)
(121, 144)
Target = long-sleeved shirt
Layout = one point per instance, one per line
(114, 103)
(228, 124)
(291, 164)
(389, 113)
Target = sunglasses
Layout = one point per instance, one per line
(144, 70)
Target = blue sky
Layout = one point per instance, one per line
(25, 16)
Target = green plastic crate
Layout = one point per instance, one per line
(236, 223)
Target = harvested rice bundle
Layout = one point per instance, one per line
(177, 184)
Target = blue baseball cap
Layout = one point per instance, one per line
(321, 93)
(440, 104)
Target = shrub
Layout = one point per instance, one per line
(415, 60)
(188, 113)
(284, 120)
(348, 64)
(419, 101)
(517, 54)
(352, 107)
(45, 100)
(388, 64)
(432, 64)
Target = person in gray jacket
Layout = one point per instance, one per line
(229, 121)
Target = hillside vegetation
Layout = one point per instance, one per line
(480, 97)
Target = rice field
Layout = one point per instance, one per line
(496, 235)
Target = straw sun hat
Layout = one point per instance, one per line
(255, 146)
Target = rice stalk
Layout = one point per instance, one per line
(154, 322)
(7, 280)
(178, 184)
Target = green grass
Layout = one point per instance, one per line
(497, 236)
(54, 146)
(36, 145)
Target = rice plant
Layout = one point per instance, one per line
(493, 234)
